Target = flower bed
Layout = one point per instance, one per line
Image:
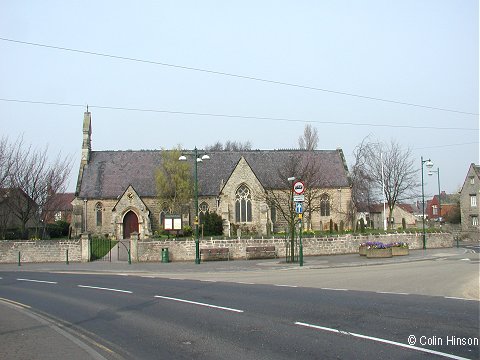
(379, 252)
(376, 249)
(362, 250)
(399, 249)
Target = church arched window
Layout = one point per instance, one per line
(324, 205)
(99, 213)
(243, 204)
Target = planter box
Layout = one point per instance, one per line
(399, 251)
(379, 253)
(362, 250)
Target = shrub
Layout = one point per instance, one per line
(212, 224)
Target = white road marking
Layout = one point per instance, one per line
(380, 340)
(458, 298)
(464, 259)
(393, 293)
(289, 286)
(245, 283)
(334, 289)
(102, 288)
(199, 303)
(148, 276)
(39, 281)
(212, 281)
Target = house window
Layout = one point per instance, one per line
(243, 204)
(473, 200)
(98, 211)
(324, 205)
(435, 209)
(58, 216)
(202, 209)
(472, 180)
(474, 220)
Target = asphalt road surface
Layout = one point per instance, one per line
(139, 317)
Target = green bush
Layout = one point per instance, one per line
(212, 224)
(58, 230)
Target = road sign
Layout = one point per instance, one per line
(298, 187)
(299, 207)
(299, 198)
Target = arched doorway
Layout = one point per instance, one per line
(130, 224)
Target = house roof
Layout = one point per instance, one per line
(61, 202)
(109, 173)
(6, 193)
(378, 208)
(446, 199)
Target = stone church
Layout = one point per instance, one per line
(116, 193)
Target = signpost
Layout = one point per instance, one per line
(299, 187)
(299, 198)
(299, 207)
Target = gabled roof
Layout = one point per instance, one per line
(109, 173)
(476, 171)
(61, 202)
(378, 208)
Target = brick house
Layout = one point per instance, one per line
(59, 207)
(116, 190)
(17, 209)
(436, 209)
(469, 206)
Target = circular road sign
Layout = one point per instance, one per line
(298, 187)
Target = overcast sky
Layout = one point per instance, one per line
(342, 55)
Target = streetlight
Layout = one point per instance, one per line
(429, 164)
(195, 175)
(430, 173)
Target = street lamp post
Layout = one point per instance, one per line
(195, 175)
(429, 164)
(430, 173)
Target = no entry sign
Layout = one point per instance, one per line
(298, 187)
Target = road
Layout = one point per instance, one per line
(361, 314)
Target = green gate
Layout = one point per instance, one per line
(100, 249)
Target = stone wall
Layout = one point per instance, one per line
(184, 250)
(40, 250)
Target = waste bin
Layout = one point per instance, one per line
(165, 258)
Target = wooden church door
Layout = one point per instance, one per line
(130, 224)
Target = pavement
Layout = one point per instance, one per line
(310, 262)
(22, 328)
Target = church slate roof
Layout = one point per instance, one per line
(109, 173)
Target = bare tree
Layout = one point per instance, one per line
(230, 146)
(303, 167)
(37, 179)
(363, 186)
(309, 139)
(391, 169)
(9, 152)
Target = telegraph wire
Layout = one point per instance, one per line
(245, 77)
(236, 116)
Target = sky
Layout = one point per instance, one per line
(201, 72)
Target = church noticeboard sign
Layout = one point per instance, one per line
(172, 222)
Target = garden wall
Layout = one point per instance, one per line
(40, 250)
(184, 250)
(181, 250)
